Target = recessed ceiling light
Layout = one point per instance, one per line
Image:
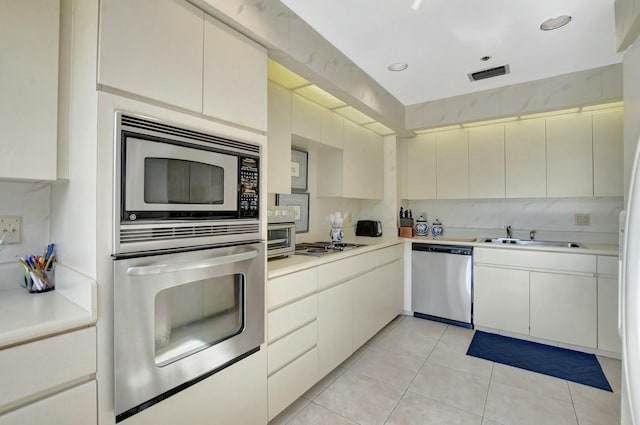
(398, 66)
(555, 22)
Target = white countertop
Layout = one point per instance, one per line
(25, 316)
(282, 266)
(294, 263)
(592, 249)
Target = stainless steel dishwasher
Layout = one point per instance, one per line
(442, 283)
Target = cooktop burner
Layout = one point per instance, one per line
(322, 248)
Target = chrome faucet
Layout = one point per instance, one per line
(532, 235)
(508, 229)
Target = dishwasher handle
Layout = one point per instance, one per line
(444, 249)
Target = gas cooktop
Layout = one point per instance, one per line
(318, 249)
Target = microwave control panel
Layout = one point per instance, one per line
(248, 205)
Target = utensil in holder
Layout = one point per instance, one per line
(40, 280)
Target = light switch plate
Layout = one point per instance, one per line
(11, 224)
(583, 219)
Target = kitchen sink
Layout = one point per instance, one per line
(318, 249)
(512, 241)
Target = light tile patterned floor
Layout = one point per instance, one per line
(416, 372)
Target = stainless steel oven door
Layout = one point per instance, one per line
(182, 316)
(168, 177)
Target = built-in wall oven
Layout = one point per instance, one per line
(176, 186)
(189, 262)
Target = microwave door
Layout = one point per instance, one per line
(166, 177)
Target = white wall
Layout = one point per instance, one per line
(32, 201)
(553, 219)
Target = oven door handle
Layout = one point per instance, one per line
(191, 265)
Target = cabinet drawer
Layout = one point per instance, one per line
(579, 263)
(290, 287)
(343, 270)
(289, 383)
(45, 364)
(76, 406)
(291, 346)
(608, 266)
(291, 317)
(386, 255)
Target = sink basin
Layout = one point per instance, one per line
(511, 241)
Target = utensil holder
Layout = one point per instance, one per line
(43, 281)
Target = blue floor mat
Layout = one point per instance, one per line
(562, 363)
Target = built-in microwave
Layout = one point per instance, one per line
(179, 187)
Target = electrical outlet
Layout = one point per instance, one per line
(583, 219)
(12, 225)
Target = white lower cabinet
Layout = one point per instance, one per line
(319, 316)
(77, 406)
(289, 383)
(335, 334)
(564, 308)
(47, 376)
(376, 301)
(556, 296)
(501, 299)
(608, 336)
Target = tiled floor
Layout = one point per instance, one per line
(416, 372)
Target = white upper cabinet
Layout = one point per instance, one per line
(29, 32)
(332, 131)
(153, 49)
(235, 69)
(363, 170)
(525, 159)
(306, 118)
(279, 140)
(607, 153)
(356, 171)
(452, 156)
(569, 156)
(420, 167)
(486, 162)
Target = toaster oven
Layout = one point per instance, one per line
(281, 232)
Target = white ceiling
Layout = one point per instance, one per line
(443, 40)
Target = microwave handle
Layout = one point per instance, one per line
(189, 265)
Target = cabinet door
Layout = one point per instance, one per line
(306, 118)
(29, 32)
(421, 167)
(331, 132)
(525, 159)
(334, 327)
(452, 156)
(368, 294)
(569, 156)
(153, 49)
(362, 164)
(392, 298)
(607, 153)
(279, 140)
(608, 337)
(564, 308)
(501, 299)
(235, 76)
(486, 162)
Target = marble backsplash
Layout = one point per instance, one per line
(552, 219)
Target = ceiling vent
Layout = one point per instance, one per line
(489, 73)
